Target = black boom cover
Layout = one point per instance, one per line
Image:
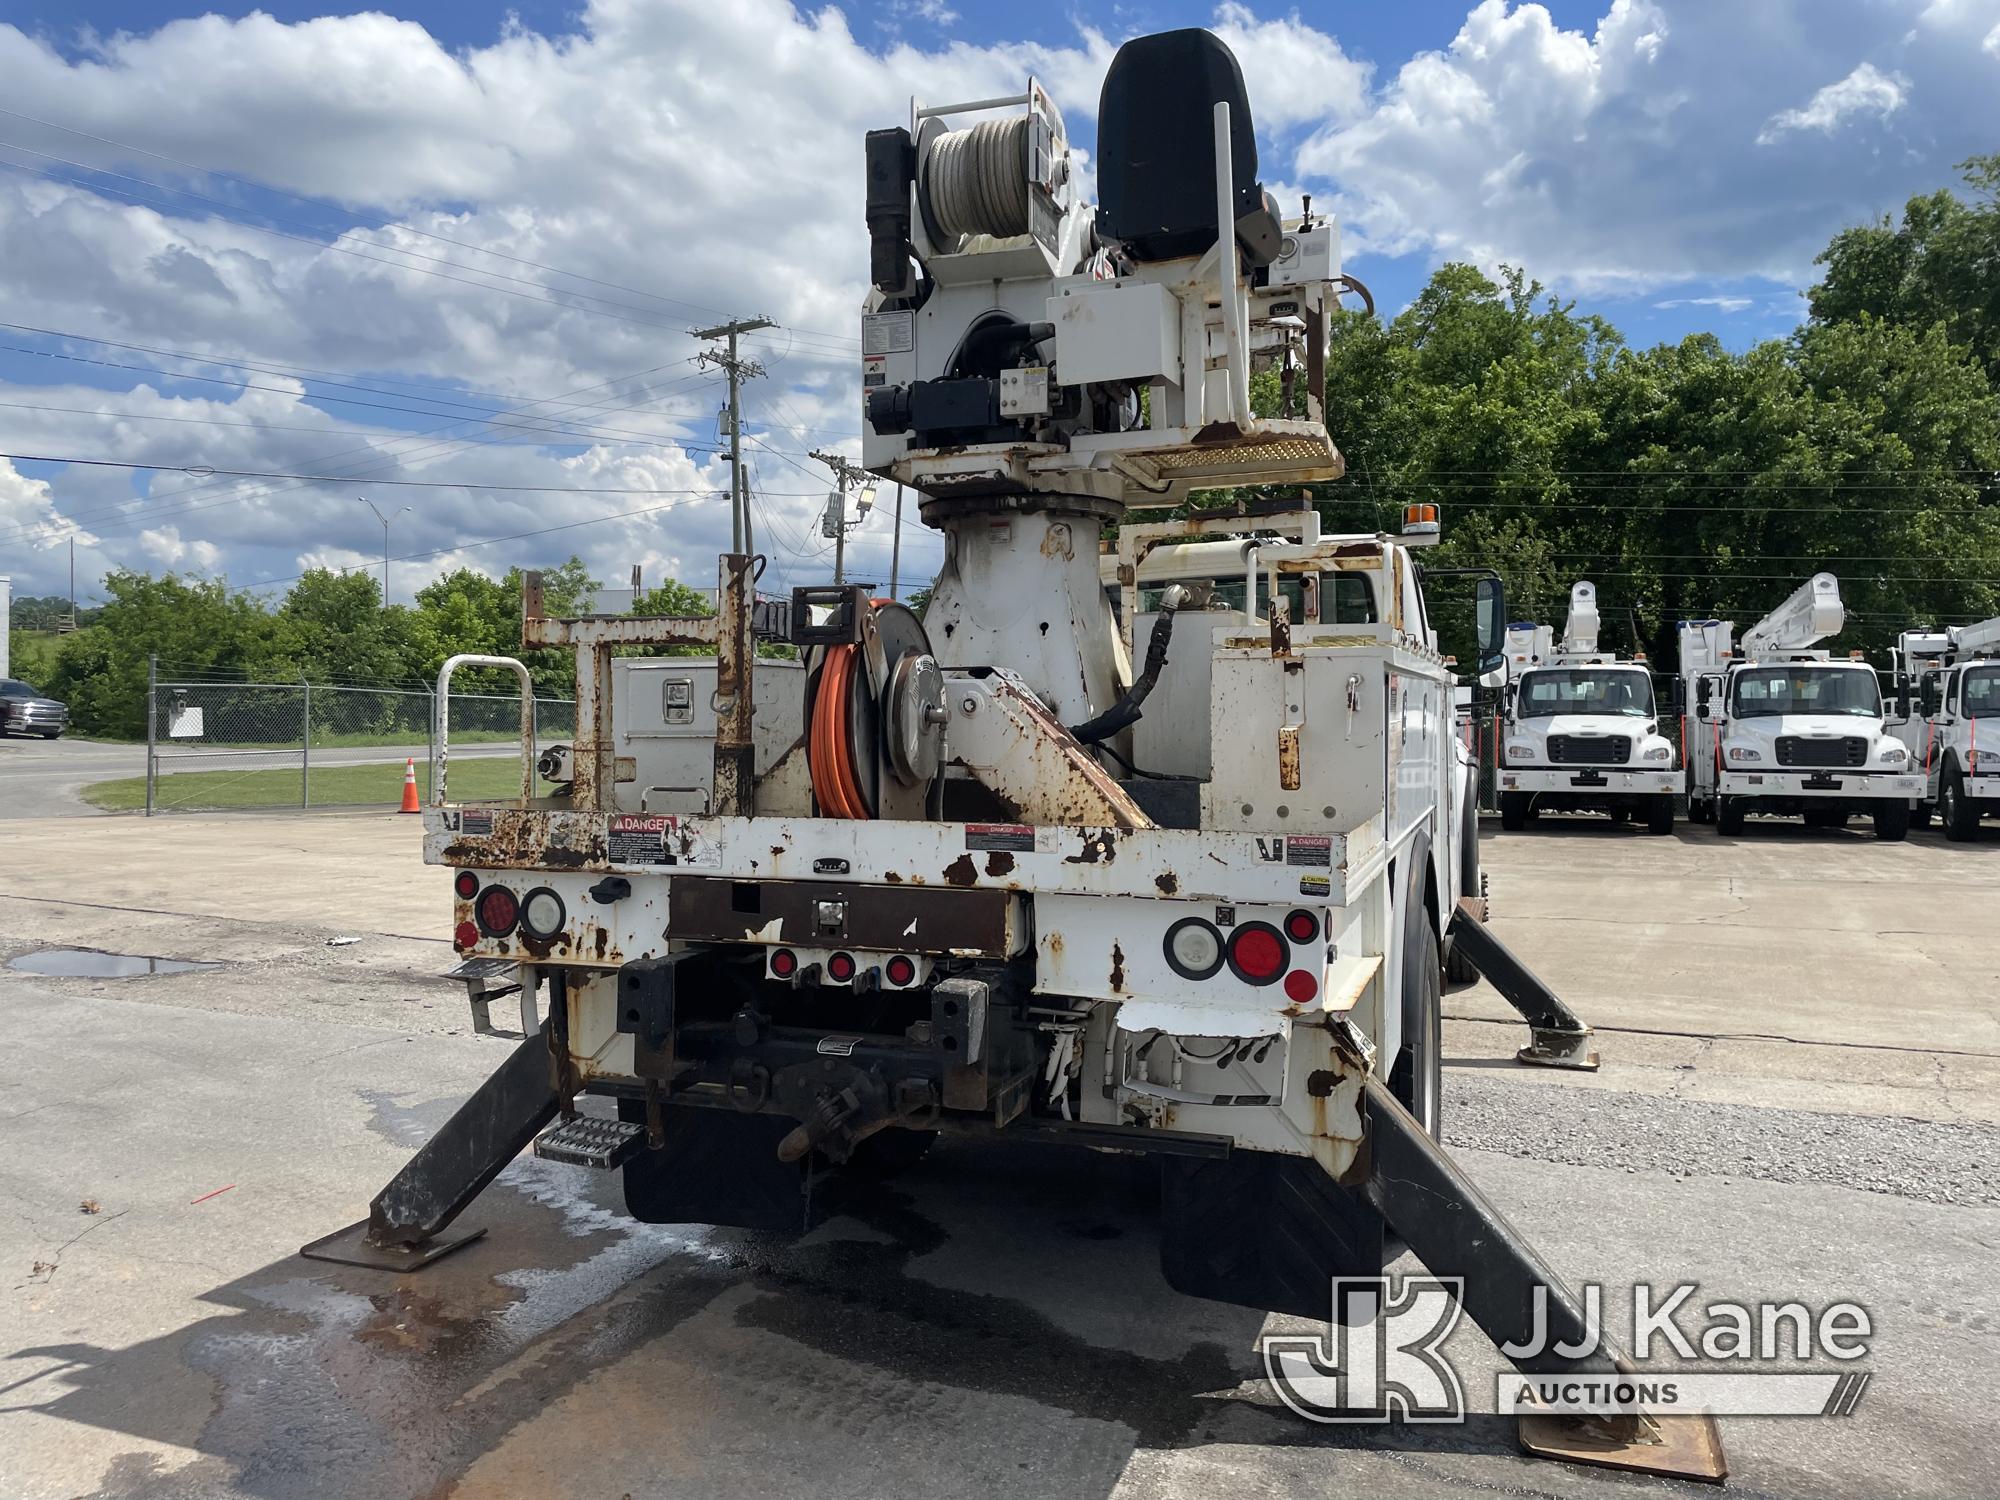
(1156, 144)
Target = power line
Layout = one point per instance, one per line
(373, 459)
(487, 414)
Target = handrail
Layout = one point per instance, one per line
(470, 659)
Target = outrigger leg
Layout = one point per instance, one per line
(1448, 1224)
(1556, 1037)
(406, 1223)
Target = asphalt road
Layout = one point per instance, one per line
(992, 1323)
(45, 778)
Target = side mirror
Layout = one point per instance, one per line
(1701, 709)
(1490, 618)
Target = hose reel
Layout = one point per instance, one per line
(875, 719)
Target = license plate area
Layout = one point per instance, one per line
(1820, 781)
(1590, 778)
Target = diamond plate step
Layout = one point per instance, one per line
(589, 1142)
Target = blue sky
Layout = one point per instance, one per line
(353, 227)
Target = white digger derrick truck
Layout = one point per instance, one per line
(1174, 884)
(1784, 728)
(1581, 730)
(1948, 682)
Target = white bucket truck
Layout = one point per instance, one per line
(1786, 729)
(1949, 682)
(1582, 733)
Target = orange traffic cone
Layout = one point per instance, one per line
(410, 803)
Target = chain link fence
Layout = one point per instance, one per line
(249, 745)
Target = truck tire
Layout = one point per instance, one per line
(1660, 816)
(1892, 820)
(1417, 1077)
(1514, 810)
(1728, 816)
(1956, 811)
(1456, 969)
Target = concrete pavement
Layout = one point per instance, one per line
(992, 1323)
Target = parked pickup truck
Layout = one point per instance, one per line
(25, 711)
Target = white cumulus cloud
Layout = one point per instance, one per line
(1865, 91)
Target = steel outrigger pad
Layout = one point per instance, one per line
(405, 1227)
(1451, 1227)
(1556, 1037)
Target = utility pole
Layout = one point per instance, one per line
(385, 542)
(740, 537)
(835, 523)
(896, 544)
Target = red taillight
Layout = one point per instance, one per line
(840, 968)
(784, 963)
(465, 936)
(900, 970)
(1257, 953)
(497, 911)
(466, 884)
(1300, 987)
(1301, 926)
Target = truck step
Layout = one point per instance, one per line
(585, 1141)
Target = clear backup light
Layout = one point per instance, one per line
(1193, 948)
(542, 913)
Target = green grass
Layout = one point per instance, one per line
(332, 786)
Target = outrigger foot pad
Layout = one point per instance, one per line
(1679, 1447)
(1556, 1037)
(352, 1247)
(405, 1227)
(1451, 1227)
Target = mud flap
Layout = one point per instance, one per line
(1262, 1230)
(406, 1222)
(1556, 1037)
(1449, 1225)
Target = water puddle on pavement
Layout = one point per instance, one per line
(88, 963)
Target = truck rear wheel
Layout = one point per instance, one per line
(1892, 820)
(1660, 816)
(1456, 968)
(1514, 810)
(1417, 1078)
(1728, 816)
(1955, 810)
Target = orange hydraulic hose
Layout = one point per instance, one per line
(828, 755)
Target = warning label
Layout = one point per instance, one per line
(638, 839)
(1315, 885)
(1309, 849)
(888, 333)
(475, 822)
(1016, 837)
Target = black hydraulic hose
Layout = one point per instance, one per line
(1127, 709)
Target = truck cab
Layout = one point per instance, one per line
(1582, 731)
(1785, 729)
(1805, 737)
(1949, 685)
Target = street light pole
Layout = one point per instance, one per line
(385, 542)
